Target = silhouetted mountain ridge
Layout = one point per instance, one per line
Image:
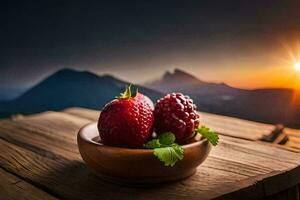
(184, 82)
(67, 88)
(265, 105)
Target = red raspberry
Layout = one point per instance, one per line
(176, 113)
(126, 121)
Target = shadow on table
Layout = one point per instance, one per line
(73, 180)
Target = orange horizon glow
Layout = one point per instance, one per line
(253, 68)
(284, 74)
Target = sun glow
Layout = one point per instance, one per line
(297, 66)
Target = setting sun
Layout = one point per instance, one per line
(297, 66)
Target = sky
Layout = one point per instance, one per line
(246, 44)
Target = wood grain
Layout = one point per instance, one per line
(14, 188)
(236, 127)
(294, 138)
(49, 133)
(42, 150)
(292, 132)
(90, 114)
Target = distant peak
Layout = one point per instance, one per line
(71, 74)
(179, 74)
(74, 72)
(65, 71)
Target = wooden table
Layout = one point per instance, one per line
(39, 160)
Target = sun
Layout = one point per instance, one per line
(297, 66)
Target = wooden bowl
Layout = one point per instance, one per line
(136, 166)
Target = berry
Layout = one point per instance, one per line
(146, 100)
(176, 113)
(126, 121)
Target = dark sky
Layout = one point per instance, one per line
(139, 40)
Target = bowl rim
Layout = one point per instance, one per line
(81, 134)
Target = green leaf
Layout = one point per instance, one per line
(169, 155)
(152, 144)
(210, 135)
(166, 139)
(165, 149)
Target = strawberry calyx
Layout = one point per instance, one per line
(128, 93)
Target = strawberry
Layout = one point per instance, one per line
(146, 100)
(127, 121)
(176, 113)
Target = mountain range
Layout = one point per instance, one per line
(264, 105)
(70, 88)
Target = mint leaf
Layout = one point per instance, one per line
(167, 138)
(210, 135)
(152, 144)
(165, 149)
(169, 155)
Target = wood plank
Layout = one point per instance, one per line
(90, 114)
(51, 131)
(235, 165)
(14, 188)
(291, 149)
(294, 139)
(72, 180)
(224, 125)
(292, 132)
(236, 127)
(292, 144)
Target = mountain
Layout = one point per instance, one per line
(169, 81)
(264, 105)
(184, 82)
(68, 88)
(8, 93)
